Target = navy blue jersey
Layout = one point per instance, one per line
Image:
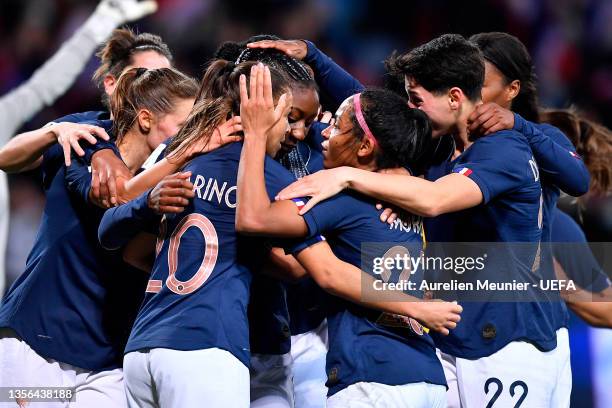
(574, 255)
(84, 117)
(74, 303)
(305, 297)
(510, 212)
(363, 344)
(199, 288)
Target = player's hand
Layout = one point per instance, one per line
(293, 48)
(68, 136)
(224, 134)
(171, 194)
(325, 117)
(319, 186)
(389, 215)
(438, 315)
(124, 11)
(489, 118)
(257, 110)
(108, 175)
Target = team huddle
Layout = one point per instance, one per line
(202, 243)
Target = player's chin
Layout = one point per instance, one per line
(328, 163)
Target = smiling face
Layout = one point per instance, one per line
(436, 107)
(303, 113)
(340, 146)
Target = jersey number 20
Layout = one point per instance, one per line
(209, 260)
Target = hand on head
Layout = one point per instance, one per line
(257, 110)
(293, 48)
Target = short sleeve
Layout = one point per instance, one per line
(328, 215)
(497, 164)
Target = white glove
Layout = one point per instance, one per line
(111, 14)
(127, 10)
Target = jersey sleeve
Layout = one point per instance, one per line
(334, 81)
(481, 163)
(122, 223)
(328, 215)
(572, 251)
(556, 156)
(52, 161)
(78, 178)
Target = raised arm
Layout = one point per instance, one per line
(53, 79)
(255, 214)
(333, 80)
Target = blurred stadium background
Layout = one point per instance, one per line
(570, 41)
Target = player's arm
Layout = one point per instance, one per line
(553, 152)
(560, 164)
(595, 313)
(593, 308)
(347, 281)
(140, 251)
(283, 267)
(57, 74)
(255, 214)
(450, 193)
(331, 78)
(225, 133)
(120, 224)
(24, 151)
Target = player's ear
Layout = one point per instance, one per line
(366, 148)
(110, 82)
(145, 121)
(455, 97)
(513, 89)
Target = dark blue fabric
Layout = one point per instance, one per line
(75, 302)
(215, 313)
(363, 346)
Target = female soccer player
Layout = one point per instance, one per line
(190, 342)
(180, 302)
(276, 376)
(487, 190)
(65, 320)
(593, 299)
(375, 130)
(510, 83)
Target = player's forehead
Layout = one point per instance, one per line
(149, 59)
(412, 86)
(342, 109)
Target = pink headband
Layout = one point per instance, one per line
(361, 119)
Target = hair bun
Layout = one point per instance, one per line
(229, 51)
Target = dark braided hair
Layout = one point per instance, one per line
(298, 72)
